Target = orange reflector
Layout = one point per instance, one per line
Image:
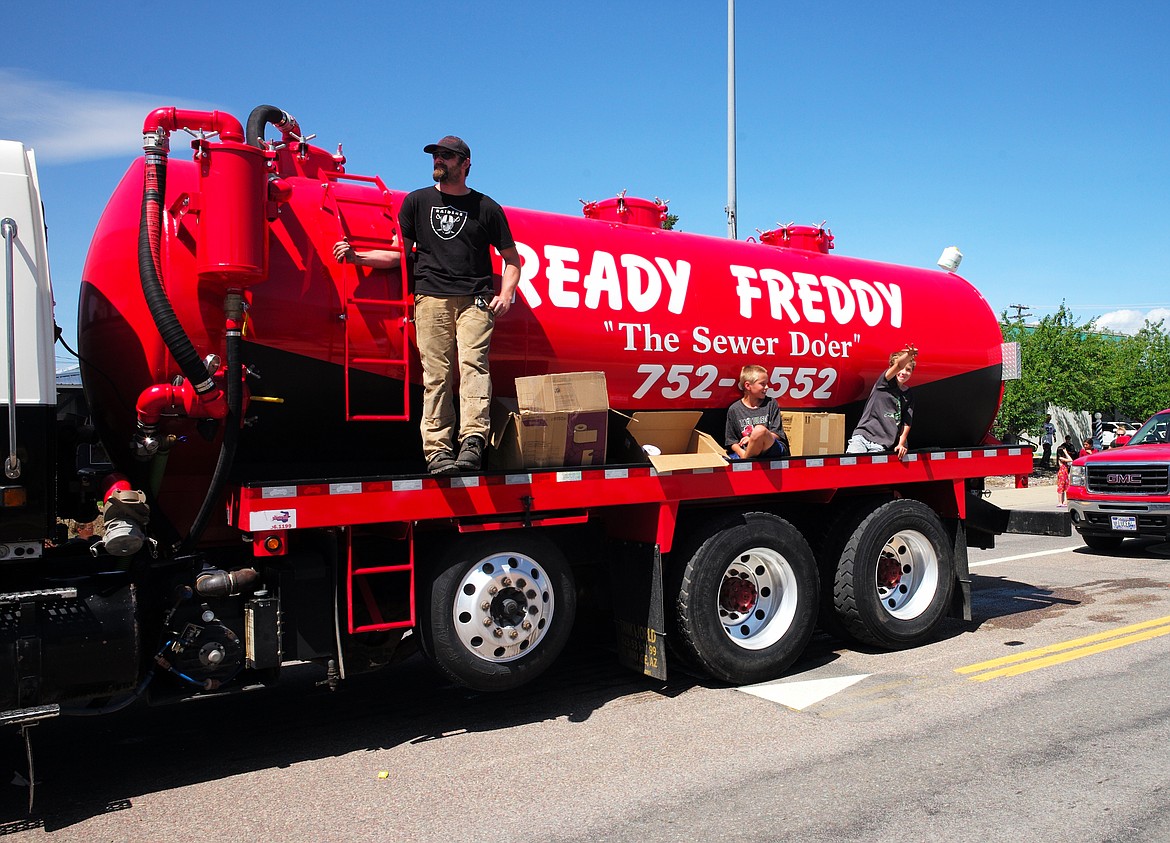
(273, 544)
(15, 496)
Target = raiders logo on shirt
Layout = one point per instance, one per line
(447, 222)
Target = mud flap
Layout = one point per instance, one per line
(639, 617)
(961, 596)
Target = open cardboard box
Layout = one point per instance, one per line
(673, 433)
(556, 420)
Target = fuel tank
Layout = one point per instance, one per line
(670, 317)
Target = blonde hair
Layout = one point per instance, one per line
(751, 372)
(912, 362)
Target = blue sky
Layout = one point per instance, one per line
(1034, 136)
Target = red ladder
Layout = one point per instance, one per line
(380, 581)
(368, 222)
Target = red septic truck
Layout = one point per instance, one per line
(249, 431)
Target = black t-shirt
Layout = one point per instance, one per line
(888, 410)
(452, 234)
(741, 417)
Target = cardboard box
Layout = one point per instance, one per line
(673, 433)
(814, 434)
(555, 420)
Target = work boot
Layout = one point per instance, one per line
(470, 453)
(441, 462)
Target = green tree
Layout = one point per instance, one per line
(1063, 362)
(1141, 374)
(1074, 365)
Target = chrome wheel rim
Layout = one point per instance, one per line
(906, 576)
(757, 598)
(503, 607)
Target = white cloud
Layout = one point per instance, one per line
(65, 123)
(1131, 321)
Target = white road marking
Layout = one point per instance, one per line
(800, 695)
(1023, 556)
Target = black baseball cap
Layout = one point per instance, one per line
(449, 143)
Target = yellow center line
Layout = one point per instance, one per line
(1068, 650)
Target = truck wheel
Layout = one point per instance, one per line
(747, 599)
(498, 611)
(895, 576)
(1102, 544)
(828, 542)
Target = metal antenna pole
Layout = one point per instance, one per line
(730, 209)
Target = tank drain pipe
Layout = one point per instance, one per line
(156, 145)
(234, 308)
(12, 463)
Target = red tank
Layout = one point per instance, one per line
(670, 317)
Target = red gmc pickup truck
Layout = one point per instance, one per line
(1124, 492)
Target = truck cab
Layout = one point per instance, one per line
(1124, 492)
(28, 392)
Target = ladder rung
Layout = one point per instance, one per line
(378, 361)
(382, 569)
(378, 627)
(379, 302)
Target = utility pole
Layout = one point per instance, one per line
(1019, 309)
(730, 209)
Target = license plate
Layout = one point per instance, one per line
(1124, 523)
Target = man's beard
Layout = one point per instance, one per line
(442, 173)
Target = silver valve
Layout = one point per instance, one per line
(201, 134)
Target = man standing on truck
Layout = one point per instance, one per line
(447, 231)
(889, 412)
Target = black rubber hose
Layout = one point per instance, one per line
(231, 437)
(154, 184)
(260, 117)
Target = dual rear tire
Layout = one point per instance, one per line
(746, 599)
(894, 577)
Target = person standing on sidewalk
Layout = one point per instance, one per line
(1047, 439)
(1064, 459)
(447, 230)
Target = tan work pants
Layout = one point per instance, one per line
(450, 330)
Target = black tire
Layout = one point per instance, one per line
(1102, 544)
(533, 584)
(829, 540)
(746, 599)
(895, 576)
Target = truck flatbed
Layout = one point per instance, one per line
(534, 495)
